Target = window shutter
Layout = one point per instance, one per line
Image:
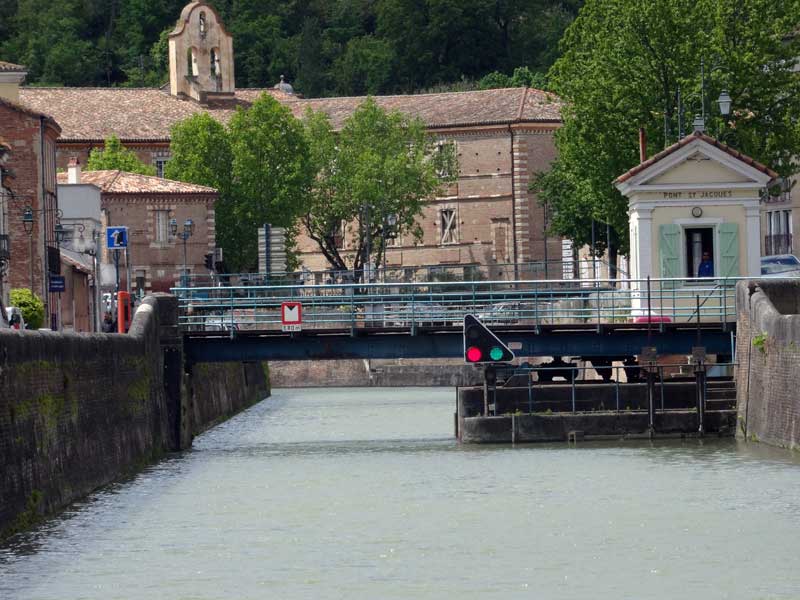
(669, 251)
(729, 250)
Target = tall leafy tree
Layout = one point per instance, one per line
(325, 47)
(623, 65)
(114, 155)
(260, 165)
(379, 169)
(271, 173)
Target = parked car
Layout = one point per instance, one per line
(423, 315)
(502, 313)
(780, 265)
(220, 323)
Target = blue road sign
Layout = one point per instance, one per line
(57, 283)
(117, 238)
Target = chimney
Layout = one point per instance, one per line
(74, 171)
(642, 145)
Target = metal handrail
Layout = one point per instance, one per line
(416, 274)
(443, 304)
(576, 369)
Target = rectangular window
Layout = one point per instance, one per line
(700, 252)
(161, 226)
(448, 232)
(161, 162)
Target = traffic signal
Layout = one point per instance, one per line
(481, 346)
(209, 262)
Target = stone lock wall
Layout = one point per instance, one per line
(78, 411)
(768, 357)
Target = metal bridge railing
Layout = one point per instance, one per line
(576, 376)
(543, 270)
(411, 306)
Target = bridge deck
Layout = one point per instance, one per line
(417, 320)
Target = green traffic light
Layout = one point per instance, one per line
(496, 353)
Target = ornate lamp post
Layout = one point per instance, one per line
(724, 102)
(89, 247)
(27, 224)
(188, 231)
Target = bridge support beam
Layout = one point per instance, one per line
(615, 342)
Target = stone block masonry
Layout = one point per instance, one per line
(768, 358)
(78, 411)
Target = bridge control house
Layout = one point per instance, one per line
(694, 212)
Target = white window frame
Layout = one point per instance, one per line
(448, 226)
(158, 228)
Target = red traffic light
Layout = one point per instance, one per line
(474, 354)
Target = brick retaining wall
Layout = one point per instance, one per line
(768, 357)
(78, 411)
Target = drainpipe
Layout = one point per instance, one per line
(513, 207)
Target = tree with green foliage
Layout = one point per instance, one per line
(115, 156)
(372, 178)
(260, 166)
(30, 305)
(324, 47)
(624, 63)
(521, 77)
(271, 174)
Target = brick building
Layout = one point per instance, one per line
(29, 208)
(147, 205)
(487, 217)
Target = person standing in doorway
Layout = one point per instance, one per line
(706, 266)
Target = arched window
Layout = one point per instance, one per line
(202, 24)
(213, 64)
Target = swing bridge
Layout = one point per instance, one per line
(602, 319)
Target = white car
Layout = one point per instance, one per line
(780, 265)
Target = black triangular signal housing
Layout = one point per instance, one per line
(481, 346)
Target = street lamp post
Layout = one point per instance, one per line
(89, 247)
(27, 224)
(188, 231)
(724, 102)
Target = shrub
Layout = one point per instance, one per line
(30, 305)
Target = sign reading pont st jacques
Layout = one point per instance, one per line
(700, 195)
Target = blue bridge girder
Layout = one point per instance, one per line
(447, 342)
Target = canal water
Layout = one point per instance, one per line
(363, 493)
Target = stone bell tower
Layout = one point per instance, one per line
(201, 56)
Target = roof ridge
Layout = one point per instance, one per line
(685, 141)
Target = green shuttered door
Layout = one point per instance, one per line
(729, 250)
(669, 249)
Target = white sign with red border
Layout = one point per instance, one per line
(291, 316)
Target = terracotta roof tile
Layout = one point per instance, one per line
(32, 111)
(450, 109)
(688, 140)
(121, 182)
(8, 67)
(148, 113)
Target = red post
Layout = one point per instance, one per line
(123, 311)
